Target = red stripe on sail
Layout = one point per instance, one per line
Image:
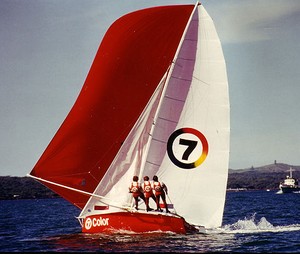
(131, 60)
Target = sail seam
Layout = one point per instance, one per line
(167, 120)
(186, 59)
(152, 163)
(159, 140)
(174, 99)
(180, 78)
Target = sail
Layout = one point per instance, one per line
(192, 127)
(114, 185)
(183, 133)
(133, 57)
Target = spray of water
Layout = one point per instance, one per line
(252, 225)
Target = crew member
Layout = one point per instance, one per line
(136, 191)
(148, 192)
(160, 190)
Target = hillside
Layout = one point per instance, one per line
(255, 178)
(271, 168)
(13, 187)
(260, 178)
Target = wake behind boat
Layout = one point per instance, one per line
(155, 102)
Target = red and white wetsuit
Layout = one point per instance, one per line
(135, 189)
(147, 189)
(157, 186)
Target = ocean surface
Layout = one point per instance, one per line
(254, 222)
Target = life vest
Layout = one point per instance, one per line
(147, 189)
(134, 189)
(157, 188)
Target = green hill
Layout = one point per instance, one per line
(254, 178)
(261, 178)
(13, 187)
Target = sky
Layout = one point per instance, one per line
(47, 48)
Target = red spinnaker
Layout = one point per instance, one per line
(134, 55)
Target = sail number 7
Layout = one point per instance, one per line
(191, 147)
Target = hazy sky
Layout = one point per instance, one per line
(47, 48)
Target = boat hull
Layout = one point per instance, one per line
(136, 222)
(290, 189)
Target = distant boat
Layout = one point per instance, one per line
(155, 102)
(290, 184)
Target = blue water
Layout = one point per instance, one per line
(254, 222)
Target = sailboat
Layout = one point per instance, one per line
(155, 102)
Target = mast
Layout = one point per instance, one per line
(291, 172)
(168, 76)
(148, 64)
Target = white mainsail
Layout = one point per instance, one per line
(193, 109)
(199, 193)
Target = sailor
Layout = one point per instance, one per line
(160, 190)
(136, 191)
(148, 192)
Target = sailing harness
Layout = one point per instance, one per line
(135, 190)
(157, 188)
(147, 189)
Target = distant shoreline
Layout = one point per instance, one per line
(259, 178)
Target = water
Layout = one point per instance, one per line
(254, 222)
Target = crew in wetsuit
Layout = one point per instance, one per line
(160, 190)
(148, 192)
(136, 191)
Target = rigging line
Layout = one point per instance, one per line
(161, 95)
(171, 203)
(80, 191)
(172, 66)
(206, 83)
(167, 77)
